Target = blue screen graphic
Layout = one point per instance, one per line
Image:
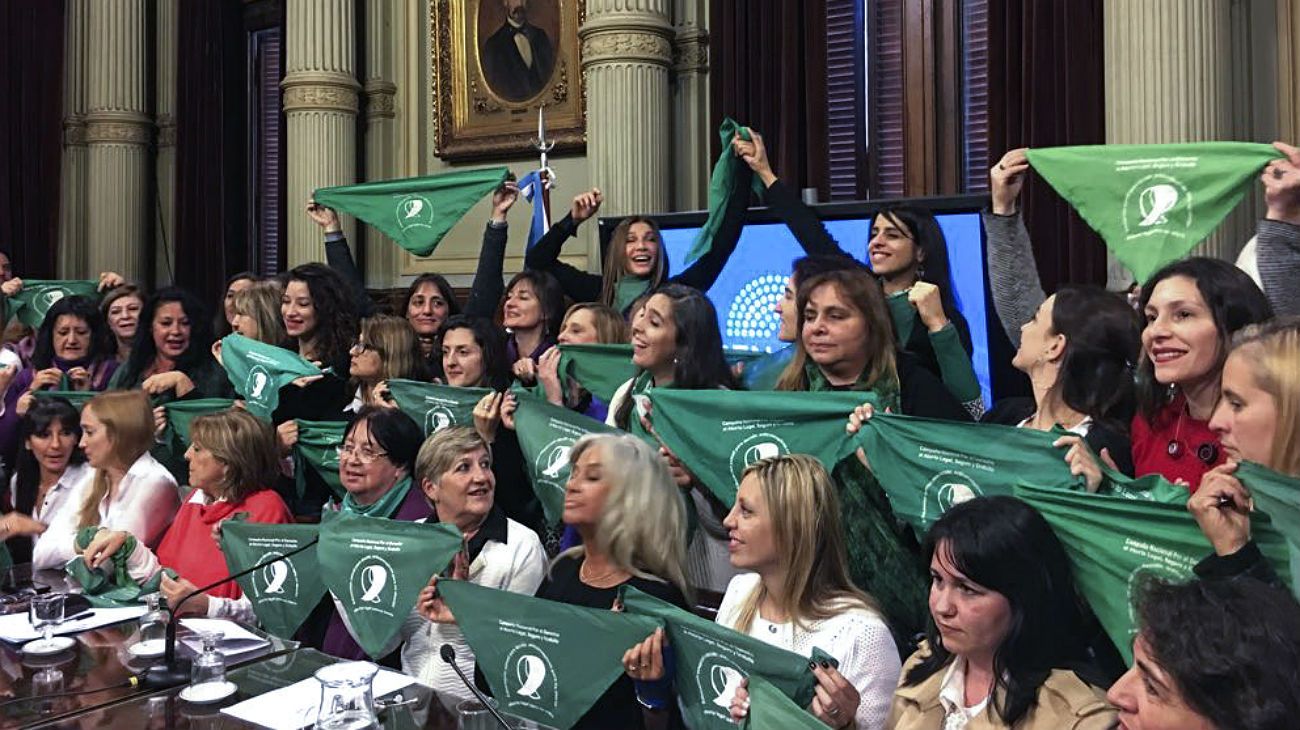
(751, 283)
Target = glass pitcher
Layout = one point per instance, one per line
(347, 701)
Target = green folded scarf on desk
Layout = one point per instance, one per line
(112, 587)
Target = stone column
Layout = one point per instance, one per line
(118, 132)
(626, 54)
(1173, 75)
(72, 180)
(383, 259)
(165, 222)
(320, 109)
(691, 133)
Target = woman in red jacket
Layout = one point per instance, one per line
(232, 459)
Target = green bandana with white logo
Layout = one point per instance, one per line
(713, 659)
(771, 709)
(181, 414)
(283, 594)
(927, 465)
(545, 661)
(258, 371)
(599, 369)
(1115, 542)
(38, 295)
(1152, 203)
(546, 434)
(318, 449)
(717, 433)
(435, 406)
(377, 567)
(416, 212)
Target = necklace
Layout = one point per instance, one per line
(1207, 453)
(598, 581)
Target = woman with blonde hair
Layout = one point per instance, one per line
(1257, 419)
(232, 462)
(257, 312)
(387, 348)
(587, 323)
(623, 503)
(126, 488)
(785, 529)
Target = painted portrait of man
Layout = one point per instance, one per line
(519, 58)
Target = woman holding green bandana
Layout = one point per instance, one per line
(376, 462)
(846, 342)
(172, 354)
(635, 260)
(232, 464)
(676, 344)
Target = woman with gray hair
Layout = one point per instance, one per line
(454, 470)
(623, 502)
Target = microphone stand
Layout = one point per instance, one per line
(448, 654)
(173, 671)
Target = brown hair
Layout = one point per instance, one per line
(128, 423)
(395, 340)
(120, 292)
(260, 302)
(244, 444)
(611, 328)
(809, 536)
(862, 290)
(616, 258)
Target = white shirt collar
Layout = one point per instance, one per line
(952, 695)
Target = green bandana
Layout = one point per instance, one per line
(627, 290)
(1278, 496)
(318, 449)
(283, 594)
(762, 374)
(376, 568)
(545, 661)
(112, 586)
(1114, 542)
(903, 314)
(258, 371)
(416, 212)
(1149, 488)
(384, 507)
(927, 465)
(38, 295)
(743, 427)
(181, 414)
(546, 434)
(712, 659)
(77, 398)
(434, 406)
(720, 185)
(771, 709)
(1153, 203)
(885, 389)
(599, 369)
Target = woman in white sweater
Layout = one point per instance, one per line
(785, 529)
(454, 470)
(126, 489)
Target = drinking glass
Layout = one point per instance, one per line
(46, 614)
(347, 700)
(153, 624)
(209, 666)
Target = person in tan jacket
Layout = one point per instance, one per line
(1005, 630)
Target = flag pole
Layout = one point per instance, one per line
(545, 173)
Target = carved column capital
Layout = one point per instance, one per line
(380, 99)
(692, 51)
(117, 127)
(166, 130)
(624, 38)
(74, 131)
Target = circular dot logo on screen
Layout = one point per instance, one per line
(751, 315)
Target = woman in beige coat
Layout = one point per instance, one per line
(1005, 633)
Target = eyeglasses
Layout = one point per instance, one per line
(362, 454)
(361, 348)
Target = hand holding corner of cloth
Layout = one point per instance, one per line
(586, 204)
(754, 153)
(1281, 179)
(1006, 178)
(1222, 507)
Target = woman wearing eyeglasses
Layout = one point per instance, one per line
(387, 348)
(375, 465)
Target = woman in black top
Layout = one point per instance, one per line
(1079, 351)
(172, 354)
(635, 261)
(616, 482)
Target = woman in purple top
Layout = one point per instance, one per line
(375, 466)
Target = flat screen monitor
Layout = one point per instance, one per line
(751, 284)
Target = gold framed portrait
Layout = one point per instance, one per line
(494, 64)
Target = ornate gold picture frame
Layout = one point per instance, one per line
(494, 63)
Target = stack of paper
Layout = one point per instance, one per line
(235, 639)
(296, 706)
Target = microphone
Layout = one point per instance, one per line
(448, 654)
(173, 671)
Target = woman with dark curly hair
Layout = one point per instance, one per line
(320, 318)
(1212, 655)
(172, 355)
